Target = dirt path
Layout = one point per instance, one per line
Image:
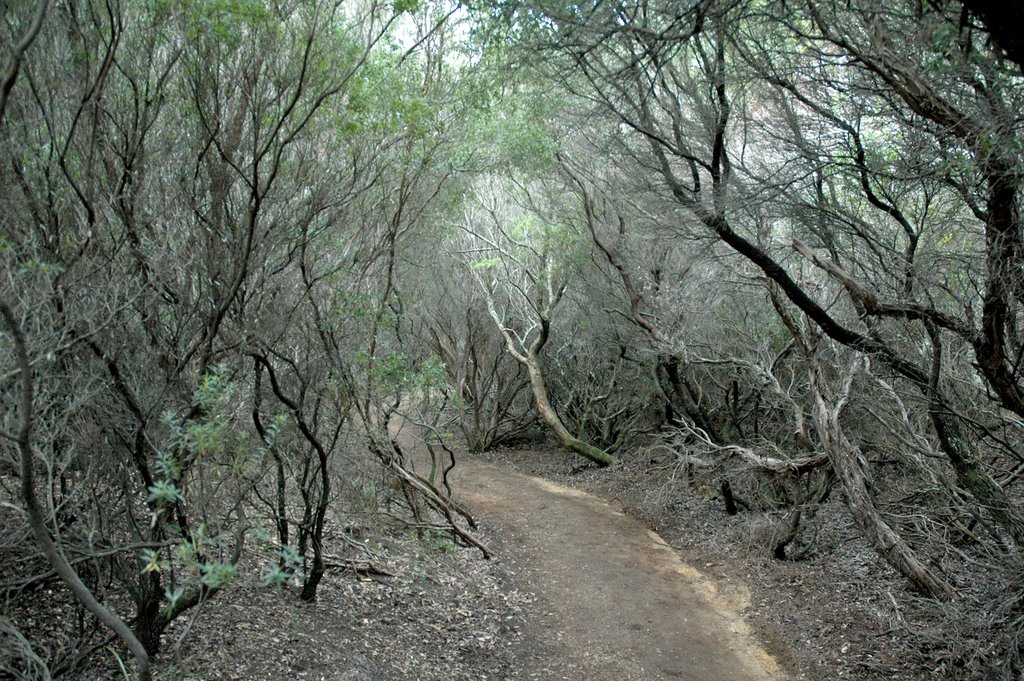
(612, 602)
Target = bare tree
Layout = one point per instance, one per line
(520, 260)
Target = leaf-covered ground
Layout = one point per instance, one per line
(444, 615)
(448, 614)
(841, 613)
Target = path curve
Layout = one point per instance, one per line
(612, 601)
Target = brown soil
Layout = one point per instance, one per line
(839, 613)
(581, 588)
(578, 590)
(612, 601)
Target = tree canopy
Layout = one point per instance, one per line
(244, 241)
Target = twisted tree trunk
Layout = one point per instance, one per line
(550, 418)
(848, 464)
(34, 510)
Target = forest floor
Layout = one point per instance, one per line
(610, 601)
(580, 589)
(839, 613)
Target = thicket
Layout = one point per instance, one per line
(244, 241)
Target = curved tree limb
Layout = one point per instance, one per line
(18, 54)
(34, 509)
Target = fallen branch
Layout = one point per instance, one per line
(797, 465)
(356, 566)
(442, 505)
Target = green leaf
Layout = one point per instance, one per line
(173, 596)
(217, 575)
(164, 492)
(485, 264)
(152, 561)
(402, 6)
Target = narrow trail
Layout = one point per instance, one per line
(612, 601)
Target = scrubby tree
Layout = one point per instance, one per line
(204, 203)
(519, 248)
(861, 162)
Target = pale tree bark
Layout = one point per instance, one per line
(848, 464)
(529, 357)
(529, 273)
(961, 455)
